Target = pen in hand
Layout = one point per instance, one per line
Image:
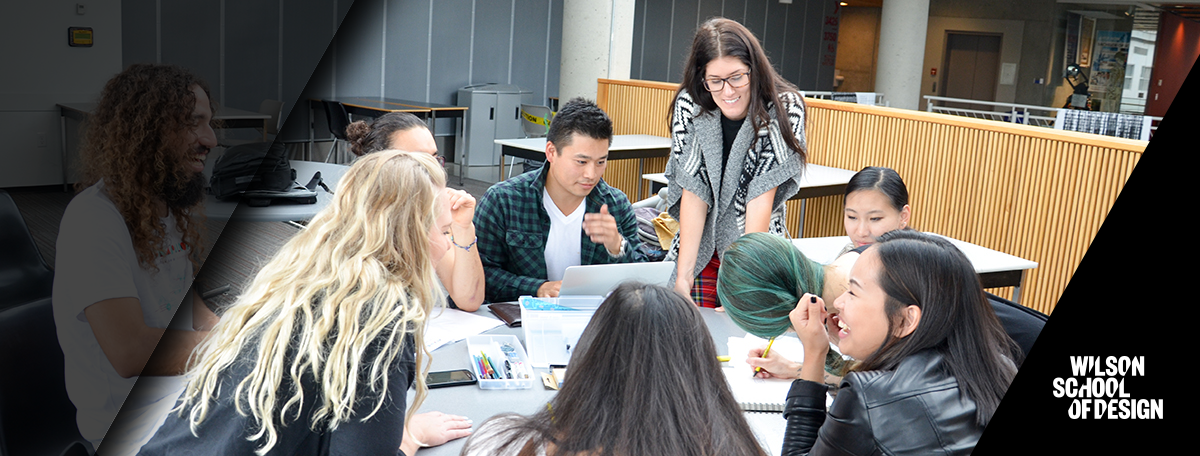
(764, 355)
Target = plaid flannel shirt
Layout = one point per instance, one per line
(512, 226)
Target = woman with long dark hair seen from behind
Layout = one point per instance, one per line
(643, 380)
(317, 354)
(933, 356)
(737, 151)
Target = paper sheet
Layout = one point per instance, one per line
(452, 325)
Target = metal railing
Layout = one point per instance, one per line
(1041, 116)
(845, 96)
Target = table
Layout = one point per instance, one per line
(282, 211)
(995, 269)
(229, 117)
(623, 147)
(479, 404)
(816, 181)
(375, 106)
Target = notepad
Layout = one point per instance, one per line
(757, 394)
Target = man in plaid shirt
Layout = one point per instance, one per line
(532, 227)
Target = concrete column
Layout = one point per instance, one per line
(597, 42)
(902, 51)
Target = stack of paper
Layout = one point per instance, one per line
(452, 325)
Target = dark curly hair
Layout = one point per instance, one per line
(132, 142)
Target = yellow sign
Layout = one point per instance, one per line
(80, 36)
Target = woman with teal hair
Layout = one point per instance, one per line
(760, 281)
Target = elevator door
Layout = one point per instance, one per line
(971, 68)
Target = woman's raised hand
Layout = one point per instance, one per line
(808, 319)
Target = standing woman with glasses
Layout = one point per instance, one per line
(737, 150)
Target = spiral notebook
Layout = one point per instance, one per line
(756, 394)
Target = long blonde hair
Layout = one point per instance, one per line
(359, 276)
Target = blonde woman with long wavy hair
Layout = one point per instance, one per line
(317, 354)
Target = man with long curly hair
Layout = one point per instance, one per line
(128, 249)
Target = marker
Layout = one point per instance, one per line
(764, 355)
(722, 359)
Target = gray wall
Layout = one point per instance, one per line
(425, 50)
(791, 34)
(247, 50)
(40, 70)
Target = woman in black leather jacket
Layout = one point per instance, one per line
(935, 361)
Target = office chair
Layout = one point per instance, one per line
(535, 120)
(1130, 126)
(338, 120)
(36, 415)
(1021, 323)
(24, 275)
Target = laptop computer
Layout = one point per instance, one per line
(600, 279)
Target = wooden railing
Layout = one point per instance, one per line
(1036, 193)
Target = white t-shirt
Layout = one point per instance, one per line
(563, 242)
(96, 261)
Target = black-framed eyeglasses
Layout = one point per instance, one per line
(737, 81)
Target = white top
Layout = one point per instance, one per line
(825, 249)
(814, 176)
(619, 143)
(563, 242)
(96, 261)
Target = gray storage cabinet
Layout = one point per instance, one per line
(493, 112)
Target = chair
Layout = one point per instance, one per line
(338, 120)
(1129, 126)
(36, 415)
(24, 275)
(535, 120)
(1021, 323)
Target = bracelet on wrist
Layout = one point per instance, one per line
(466, 247)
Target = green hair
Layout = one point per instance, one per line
(761, 278)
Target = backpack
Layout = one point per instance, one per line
(262, 166)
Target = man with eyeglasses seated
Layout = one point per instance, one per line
(533, 226)
(461, 272)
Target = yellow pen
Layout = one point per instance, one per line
(722, 358)
(764, 355)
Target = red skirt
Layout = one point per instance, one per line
(704, 289)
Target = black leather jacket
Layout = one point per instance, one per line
(915, 409)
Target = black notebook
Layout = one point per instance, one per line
(507, 311)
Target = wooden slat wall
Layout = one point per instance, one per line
(637, 108)
(1036, 193)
